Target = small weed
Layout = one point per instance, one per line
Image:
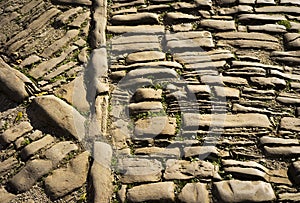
(285, 23)
(82, 198)
(26, 141)
(18, 117)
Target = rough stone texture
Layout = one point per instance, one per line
(143, 94)
(289, 123)
(7, 165)
(65, 180)
(145, 107)
(80, 2)
(194, 193)
(218, 24)
(135, 19)
(139, 170)
(183, 170)
(15, 132)
(15, 84)
(6, 197)
(161, 192)
(145, 56)
(55, 114)
(242, 191)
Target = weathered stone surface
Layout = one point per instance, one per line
(53, 113)
(147, 94)
(194, 193)
(139, 170)
(79, 2)
(159, 152)
(236, 9)
(293, 40)
(267, 140)
(289, 197)
(176, 17)
(142, 107)
(61, 69)
(282, 151)
(242, 191)
(65, 180)
(294, 172)
(245, 164)
(201, 151)
(6, 197)
(255, 44)
(267, 28)
(203, 3)
(247, 173)
(145, 56)
(228, 92)
(183, 27)
(7, 165)
(271, 2)
(14, 83)
(32, 148)
(28, 176)
(261, 17)
(139, 29)
(271, 82)
(30, 60)
(15, 132)
(218, 24)
(295, 2)
(160, 192)
(99, 16)
(155, 126)
(229, 121)
(278, 9)
(183, 170)
(225, 2)
(194, 40)
(135, 19)
(289, 123)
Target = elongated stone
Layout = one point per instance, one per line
(135, 19)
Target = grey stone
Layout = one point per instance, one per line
(65, 17)
(147, 94)
(183, 27)
(53, 113)
(229, 121)
(226, 2)
(267, 140)
(99, 16)
(79, 2)
(261, 17)
(218, 24)
(15, 84)
(65, 180)
(271, 82)
(243, 191)
(58, 44)
(7, 165)
(28, 176)
(160, 192)
(267, 28)
(155, 126)
(79, 20)
(159, 152)
(236, 9)
(134, 170)
(143, 107)
(157, 73)
(176, 17)
(255, 44)
(59, 151)
(194, 40)
(194, 193)
(278, 9)
(61, 69)
(6, 197)
(11, 134)
(145, 56)
(289, 123)
(135, 19)
(32, 148)
(30, 60)
(282, 151)
(201, 151)
(184, 170)
(139, 29)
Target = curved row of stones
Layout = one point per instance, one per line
(175, 68)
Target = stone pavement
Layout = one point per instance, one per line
(150, 101)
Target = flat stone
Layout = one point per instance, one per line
(6, 197)
(295, 2)
(199, 89)
(201, 151)
(59, 151)
(236, 9)
(145, 56)
(247, 2)
(76, 2)
(242, 191)
(228, 92)
(245, 109)
(261, 17)
(289, 123)
(54, 114)
(184, 170)
(267, 140)
(267, 28)
(183, 27)
(99, 17)
(278, 9)
(11, 134)
(255, 64)
(247, 173)
(218, 24)
(143, 107)
(139, 29)
(250, 44)
(293, 40)
(282, 151)
(155, 8)
(271, 2)
(7, 165)
(157, 71)
(15, 84)
(183, 6)
(194, 193)
(231, 121)
(159, 152)
(289, 197)
(80, 19)
(193, 40)
(147, 94)
(155, 126)
(66, 16)
(204, 3)
(59, 70)
(135, 19)
(65, 180)
(160, 192)
(30, 60)
(294, 172)
(58, 44)
(271, 82)
(34, 147)
(226, 2)
(244, 164)
(139, 170)
(178, 17)
(28, 176)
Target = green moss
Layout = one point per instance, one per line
(285, 23)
